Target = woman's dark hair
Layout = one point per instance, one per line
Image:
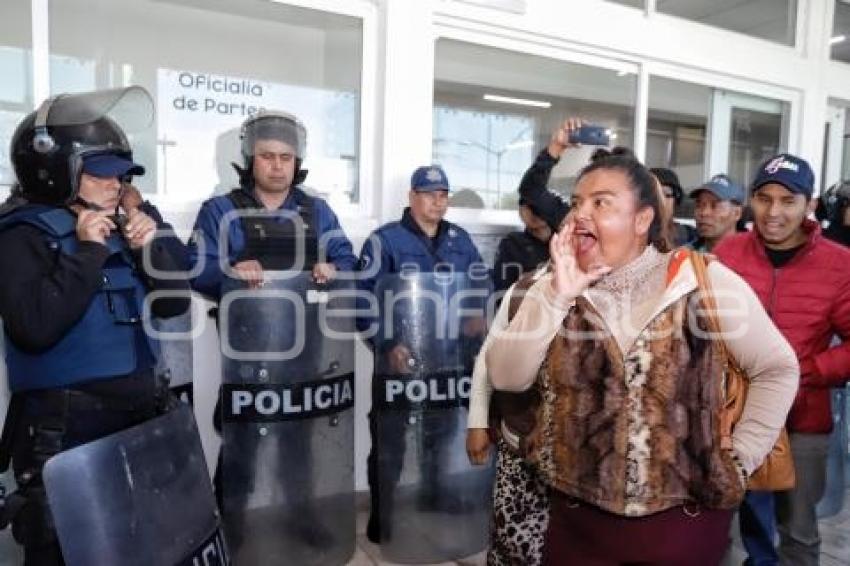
(642, 182)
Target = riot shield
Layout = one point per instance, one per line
(434, 506)
(834, 492)
(138, 497)
(175, 360)
(287, 464)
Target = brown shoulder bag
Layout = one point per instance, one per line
(776, 473)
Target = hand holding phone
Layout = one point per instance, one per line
(590, 135)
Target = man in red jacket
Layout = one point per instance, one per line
(803, 280)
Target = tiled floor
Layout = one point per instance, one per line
(835, 532)
(835, 550)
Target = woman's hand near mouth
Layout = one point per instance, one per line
(568, 279)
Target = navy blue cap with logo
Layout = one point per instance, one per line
(429, 178)
(790, 171)
(723, 188)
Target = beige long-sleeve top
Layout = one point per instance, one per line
(481, 389)
(514, 356)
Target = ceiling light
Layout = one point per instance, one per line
(519, 101)
(837, 39)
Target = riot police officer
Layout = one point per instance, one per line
(279, 241)
(417, 268)
(270, 178)
(80, 365)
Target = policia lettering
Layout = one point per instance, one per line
(271, 403)
(212, 552)
(438, 391)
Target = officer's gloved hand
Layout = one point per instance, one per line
(474, 326)
(323, 273)
(131, 198)
(400, 361)
(251, 272)
(93, 225)
(139, 230)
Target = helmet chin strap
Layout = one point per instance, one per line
(80, 201)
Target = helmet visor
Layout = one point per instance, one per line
(131, 108)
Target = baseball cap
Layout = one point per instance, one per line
(110, 165)
(429, 178)
(790, 171)
(723, 188)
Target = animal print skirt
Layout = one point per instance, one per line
(520, 513)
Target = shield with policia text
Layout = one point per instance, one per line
(287, 465)
(139, 497)
(434, 505)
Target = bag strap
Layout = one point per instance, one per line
(735, 382)
(700, 262)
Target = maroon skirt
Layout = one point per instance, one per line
(585, 535)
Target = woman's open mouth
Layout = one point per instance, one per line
(584, 240)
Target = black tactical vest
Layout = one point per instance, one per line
(271, 236)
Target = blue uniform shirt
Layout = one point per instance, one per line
(337, 248)
(405, 247)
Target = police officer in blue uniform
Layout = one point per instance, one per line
(273, 148)
(272, 224)
(422, 241)
(72, 235)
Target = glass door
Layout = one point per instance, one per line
(744, 131)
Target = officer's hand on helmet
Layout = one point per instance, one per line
(323, 272)
(140, 229)
(477, 445)
(251, 272)
(93, 225)
(560, 139)
(400, 360)
(131, 198)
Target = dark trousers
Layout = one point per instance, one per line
(757, 520)
(585, 535)
(383, 477)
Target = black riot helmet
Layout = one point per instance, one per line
(48, 146)
(271, 125)
(833, 202)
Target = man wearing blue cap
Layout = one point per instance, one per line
(803, 280)
(422, 241)
(719, 205)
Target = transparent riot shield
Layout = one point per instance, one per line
(175, 360)
(434, 506)
(138, 497)
(833, 498)
(287, 464)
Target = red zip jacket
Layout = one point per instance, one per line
(809, 301)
